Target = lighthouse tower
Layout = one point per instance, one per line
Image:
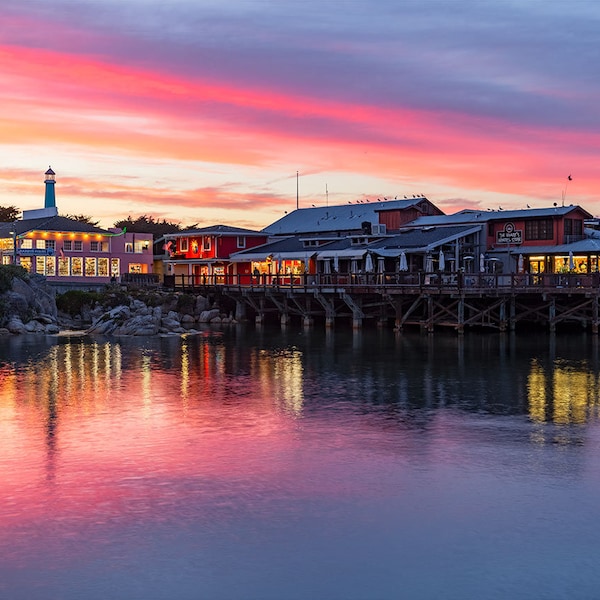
(49, 209)
(50, 197)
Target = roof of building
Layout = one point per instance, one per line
(423, 239)
(585, 246)
(56, 223)
(343, 217)
(483, 216)
(289, 248)
(214, 229)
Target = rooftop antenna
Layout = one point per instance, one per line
(326, 195)
(297, 191)
(564, 193)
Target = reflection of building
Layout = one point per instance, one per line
(564, 395)
(69, 251)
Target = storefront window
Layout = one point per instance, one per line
(103, 267)
(25, 262)
(90, 267)
(63, 267)
(77, 266)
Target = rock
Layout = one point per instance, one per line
(52, 329)
(34, 327)
(37, 293)
(207, 316)
(187, 320)
(15, 325)
(4, 331)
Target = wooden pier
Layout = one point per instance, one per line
(429, 301)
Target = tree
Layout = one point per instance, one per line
(148, 224)
(83, 219)
(8, 214)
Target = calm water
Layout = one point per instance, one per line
(243, 464)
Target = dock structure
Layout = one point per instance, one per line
(427, 301)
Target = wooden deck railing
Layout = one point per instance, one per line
(476, 282)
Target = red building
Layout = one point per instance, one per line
(205, 252)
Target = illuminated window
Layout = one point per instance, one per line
(90, 267)
(115, 267)
(77, 266)
(26, 244)
(40, 244)
(25, 262)
(50, 266)
(103, 267)
(64, 267)
(206, 243)
(45, 265)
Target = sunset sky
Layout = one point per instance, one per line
(203, 111)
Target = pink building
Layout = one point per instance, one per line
(71, 253)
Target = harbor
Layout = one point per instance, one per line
(428, 301)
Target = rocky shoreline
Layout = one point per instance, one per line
(31, 306)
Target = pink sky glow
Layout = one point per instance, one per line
(204, 113)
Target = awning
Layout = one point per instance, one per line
(347, 253)
(263, 256)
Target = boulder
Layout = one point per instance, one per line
(207, 316)
(15, 325)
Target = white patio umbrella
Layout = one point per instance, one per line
(442, 261)
(520, 264)
(369, 263)
(326, 266)
(336, 263)
(571, 261)
(403, 266)
(482, 263)
(428, 264)
(354, 266)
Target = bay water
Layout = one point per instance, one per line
(258, 463)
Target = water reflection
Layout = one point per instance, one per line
(276, 450)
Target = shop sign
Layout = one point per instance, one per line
(509, 235)
(36, 251)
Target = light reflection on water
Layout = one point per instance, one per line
(257, 464)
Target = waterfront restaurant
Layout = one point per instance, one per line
(533, 240)
(284, 259)
(204, 253)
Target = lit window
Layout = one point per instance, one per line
(90, 267)
(77, 266)
(64, 267)
(103, 267)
